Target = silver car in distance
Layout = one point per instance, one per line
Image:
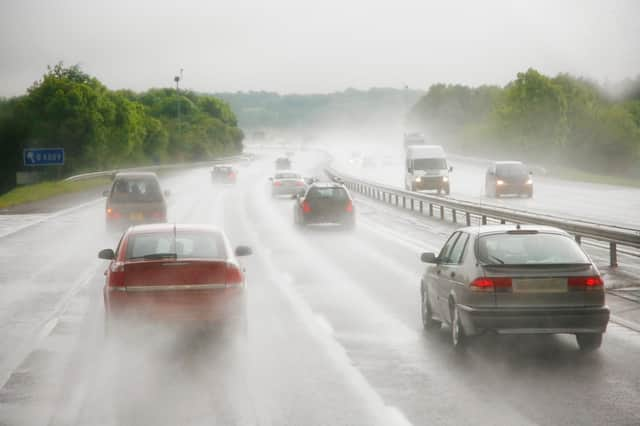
(513, 279)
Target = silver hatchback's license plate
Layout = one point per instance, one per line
(540, 285)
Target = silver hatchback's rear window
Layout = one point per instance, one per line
(529, 248)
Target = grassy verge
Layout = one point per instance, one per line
(44, 190)
(582, 176)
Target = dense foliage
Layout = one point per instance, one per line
(103, 129)
(560, 120)
(340, 110)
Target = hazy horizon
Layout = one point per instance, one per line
(290, 47)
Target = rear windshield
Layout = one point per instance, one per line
(429, 163)
(287, 176)
(511, 170)
(198, 245)
(143, 189)
(520, 249)
(282, 160)
(223, 169)
(333, 193)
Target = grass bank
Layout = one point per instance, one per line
(44, 190)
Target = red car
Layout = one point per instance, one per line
(175, 273)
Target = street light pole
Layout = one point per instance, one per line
(177, 80)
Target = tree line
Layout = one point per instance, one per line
(561, 120)
(102, 129)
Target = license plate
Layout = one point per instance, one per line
(540, 285)
(136, 216)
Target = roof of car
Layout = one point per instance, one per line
(508, 162)
(327, 185)
(135, 174)
(168, 227)
(222, 165)
(498, 229)
(288, 172)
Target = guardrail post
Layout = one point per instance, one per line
(397, 199)
(453, 215)
(468, 217)
(430, 209)
(442, 212)
(421, 207)
(578, 239)
(484, 220)
(613, 254)
(404, 202)
(502, 221)
(412, 204)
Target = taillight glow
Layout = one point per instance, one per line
(233, 275)
(277, 183)
(158, 215)
(587, 283)
(349, 207)
(298, 183)
(113, 213)
(116, 275)
(491, 283)
(306, 208)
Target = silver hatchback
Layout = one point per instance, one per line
(512, 279)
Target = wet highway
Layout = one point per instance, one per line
(334, 334)
(601, 203)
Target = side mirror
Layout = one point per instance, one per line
(530, 173)
(450, 168)
(409, 170)
(271, 178)
(106, 193)
(491, 173)
(428, 258)
(106, 254)
(167, 193)
(243, 251)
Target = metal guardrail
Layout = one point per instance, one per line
(460, 211)
(155, 168)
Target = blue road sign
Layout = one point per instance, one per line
(43, 156)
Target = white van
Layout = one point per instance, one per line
(426, 168)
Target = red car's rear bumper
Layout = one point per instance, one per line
(217, 305)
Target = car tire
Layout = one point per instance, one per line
(428, 323)
(589, 341)
(458, 337)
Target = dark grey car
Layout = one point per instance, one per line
(508, 178)
(512, 279)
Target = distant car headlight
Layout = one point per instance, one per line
(499, 182)
(445, 179)
(529, 181)
(418, 179)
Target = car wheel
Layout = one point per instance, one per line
(428, 323)
(458, 338)
(589, 341)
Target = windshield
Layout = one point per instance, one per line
(288, 176)
(192, 245)
(327, 193)
(512, 170)
(429, 164)
(136, 190)
(530, 249)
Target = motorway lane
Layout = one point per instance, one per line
(609, 204)
(334, 335)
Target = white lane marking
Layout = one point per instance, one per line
(323, 333)
(625, 323)
(41, 332)
(47, 217)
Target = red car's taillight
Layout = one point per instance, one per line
(491, 284)
(158, 215)
(116, 275)
(349, 207)
(232, 175)
(113, 213)
(586, 283)
(277, 183)
(306, 207)
(233, 275)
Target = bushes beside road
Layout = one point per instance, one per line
(104, 129)
(560, 120)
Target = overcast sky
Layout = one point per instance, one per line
(321, 46)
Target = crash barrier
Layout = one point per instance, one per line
(156, 168)
(460, 211)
